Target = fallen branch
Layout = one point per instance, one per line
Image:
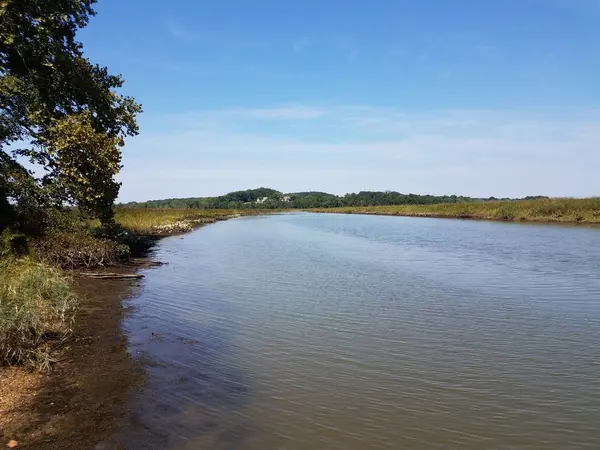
(112, 276)
(142, 262)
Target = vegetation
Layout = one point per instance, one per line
(541, 210)
(59, 112)
(79, 249)
(146, 221)
(37, 305)
(533, 208)
(233, 200)
(63, 124)
(264, 198)
(62, 127)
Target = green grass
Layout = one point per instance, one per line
(542, 210)
(37, 306)
(155, 220)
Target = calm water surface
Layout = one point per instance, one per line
(308, 331)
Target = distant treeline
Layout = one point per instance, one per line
(264, 198)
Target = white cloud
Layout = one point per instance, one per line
(350, 148)
(285, 113)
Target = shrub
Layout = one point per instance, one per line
(79, 248)
(37, 306)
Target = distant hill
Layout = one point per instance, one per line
(265, 198)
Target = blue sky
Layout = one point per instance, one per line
(472, 97)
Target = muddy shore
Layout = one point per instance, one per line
(84, 398)
(84, 401)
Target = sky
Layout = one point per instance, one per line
(468, 97)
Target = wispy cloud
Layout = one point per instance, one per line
(177, 30)
(293, 112)
(301, 44)
(346, 148)
(233, 46)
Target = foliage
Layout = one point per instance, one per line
(264, 198)
(18, 185)
(36, 305)
(71, 250)
(541, 209)
(83, 163)
(59, 109)
(12, 245)
(70, 242)
(248, 196)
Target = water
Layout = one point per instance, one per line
(308, 331)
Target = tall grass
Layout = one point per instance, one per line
(540, 210)
(37, 305)
(149, 220)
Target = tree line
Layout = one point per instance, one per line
(264, 198)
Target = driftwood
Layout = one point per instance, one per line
(112, 276)
(143, 262)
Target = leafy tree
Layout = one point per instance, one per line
(82, 163)
(59, 110)
(300, 200)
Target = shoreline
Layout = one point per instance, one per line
(541, 220)
(83, 401)
(467, 218)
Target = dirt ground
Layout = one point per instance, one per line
(83, 400)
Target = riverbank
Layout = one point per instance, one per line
(83, 399)
(240, 328)
(585, 211)
(163, 222)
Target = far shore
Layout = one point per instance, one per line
(567, 211)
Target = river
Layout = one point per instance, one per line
(326, 331)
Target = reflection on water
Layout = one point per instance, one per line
(351, 332)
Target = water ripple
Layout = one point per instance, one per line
(352, 332)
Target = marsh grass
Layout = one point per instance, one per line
(540, 210)
(150, 220)
(37, 307)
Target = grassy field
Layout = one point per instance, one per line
(169, 220)
(544, 210)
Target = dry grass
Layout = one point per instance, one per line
(78, 249)
(36, 305)
(543, 210)
(157, 220)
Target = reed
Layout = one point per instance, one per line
(586, 210)
(157, 220)
(37, 307)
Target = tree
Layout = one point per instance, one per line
(82, 163)
(61, 111)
